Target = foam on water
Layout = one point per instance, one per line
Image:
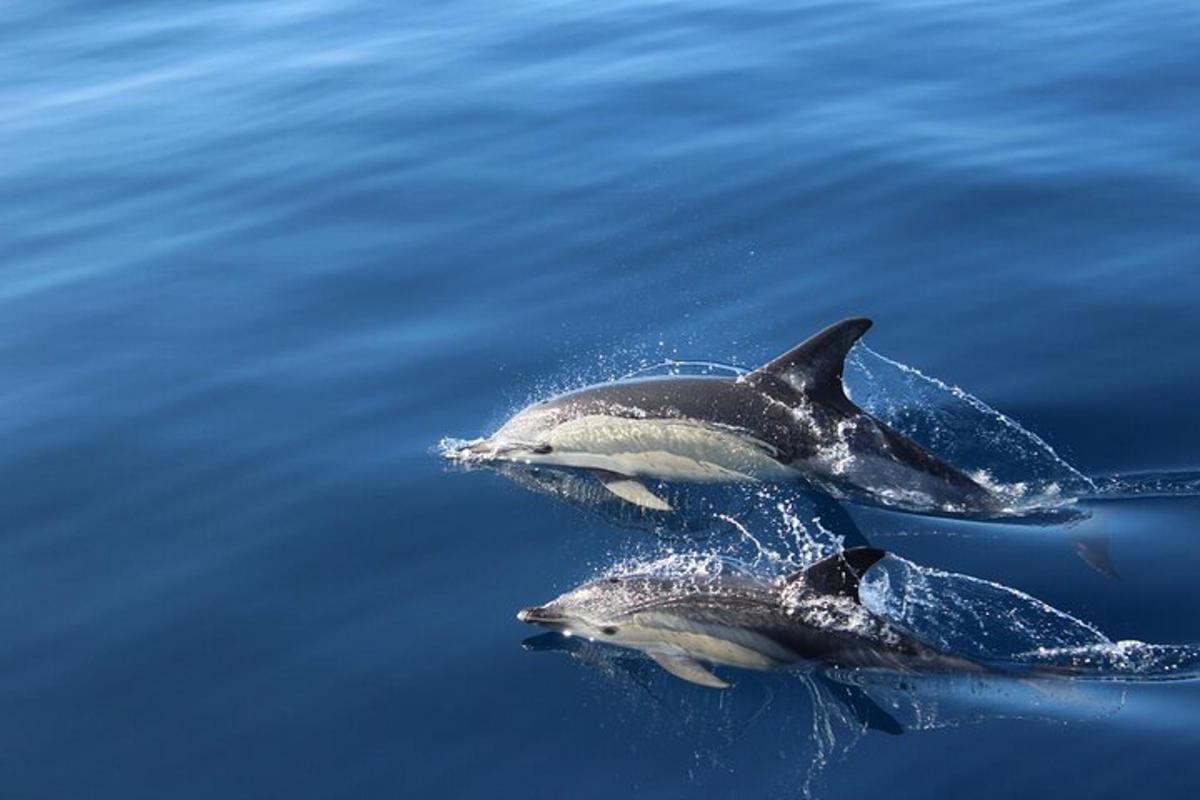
(458, 450)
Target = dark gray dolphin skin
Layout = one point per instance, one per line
(789, 419)
(815, 615)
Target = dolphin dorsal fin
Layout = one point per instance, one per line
(840, 573)
(814, 367)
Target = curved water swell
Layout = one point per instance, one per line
(999, 625)
(993, 448)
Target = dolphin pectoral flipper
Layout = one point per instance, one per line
(632, 491)
(690, 670)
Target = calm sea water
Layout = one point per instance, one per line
(258, 258)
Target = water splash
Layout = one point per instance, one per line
(458, 451)
(673, 367)
(785, 530)
(679, 564)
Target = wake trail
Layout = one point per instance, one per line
(1150, 484)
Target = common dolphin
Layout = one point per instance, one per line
(788, 419)
(815, 615)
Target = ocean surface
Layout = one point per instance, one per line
(258, 259)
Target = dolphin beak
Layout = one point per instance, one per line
(483, 447)
(490, 449)
(539, 615)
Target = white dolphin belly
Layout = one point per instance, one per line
(718, 644)
(672, 449)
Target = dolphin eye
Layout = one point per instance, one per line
(609, 630)
(541, 449)
(614, 580)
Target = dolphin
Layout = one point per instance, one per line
(815, 615)
(789, 419)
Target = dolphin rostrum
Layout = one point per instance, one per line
(788, 419)
(814, 615)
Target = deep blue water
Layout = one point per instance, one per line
(259, 258)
